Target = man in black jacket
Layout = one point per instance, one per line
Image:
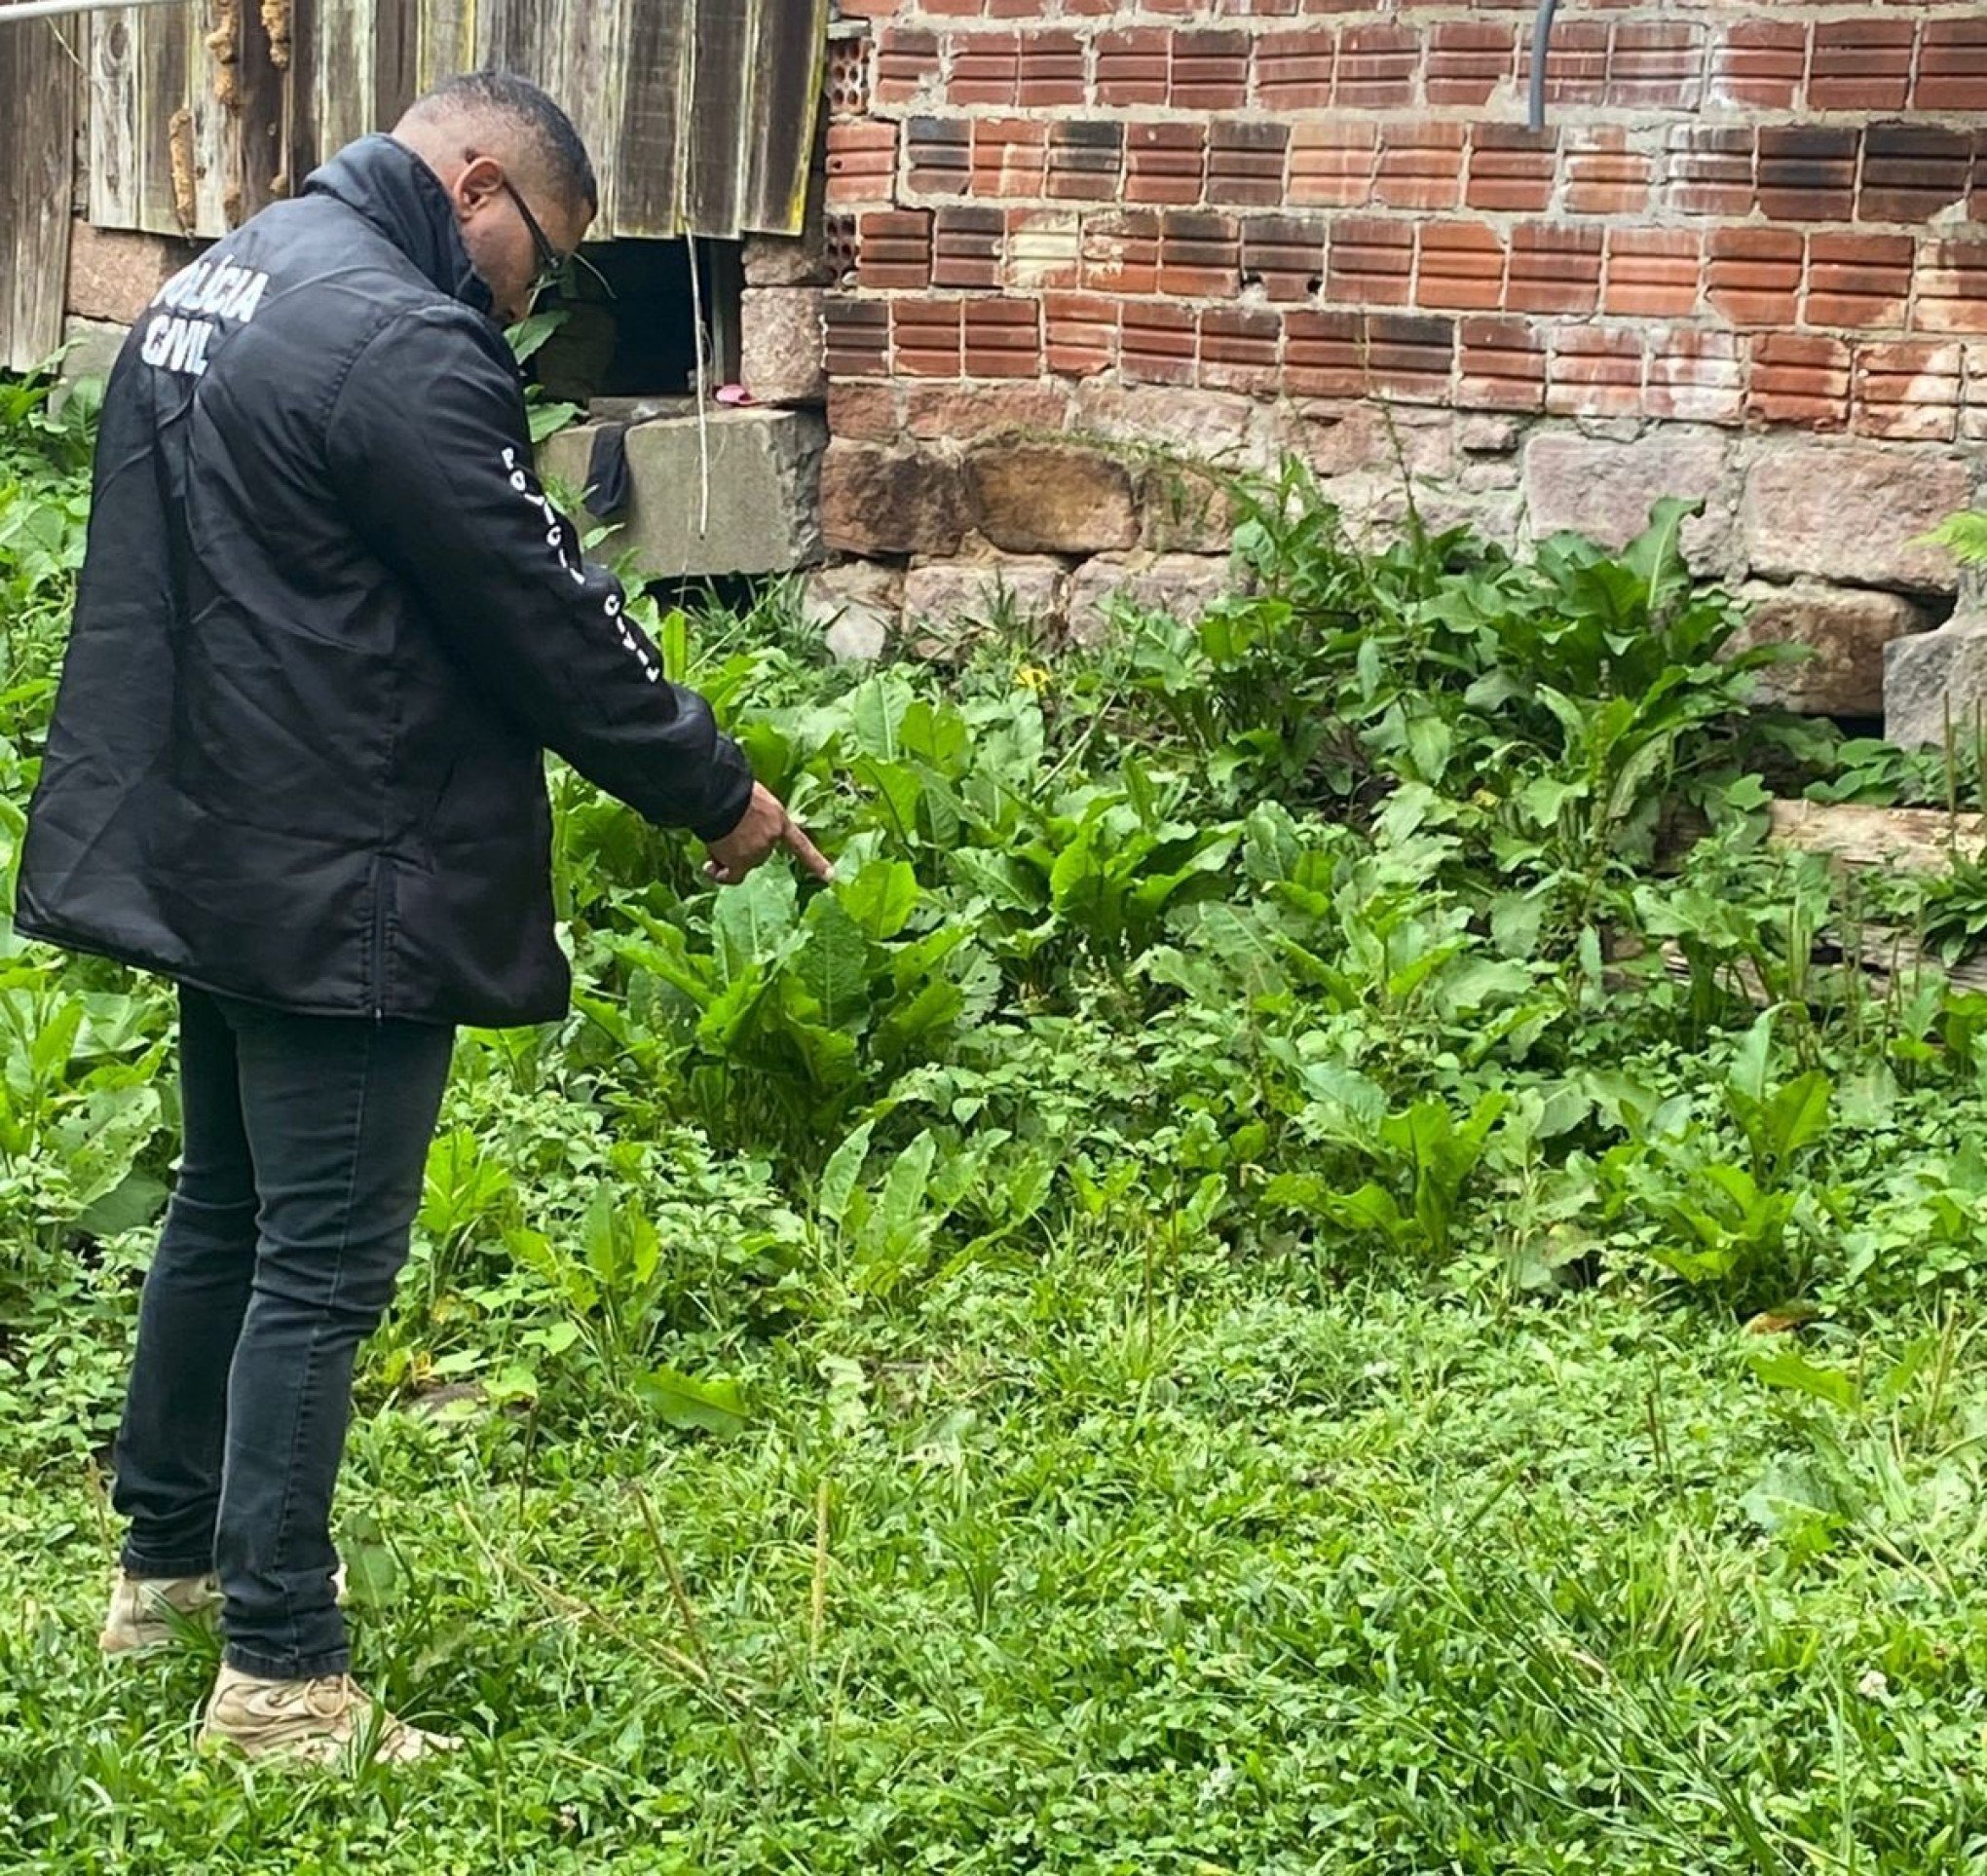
(326, 628)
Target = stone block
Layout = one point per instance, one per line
(978, 592)
(1188, 510)
(1604, 489)
(1051, 498)
(1206, 426)
(1935, 678)
(1851, 512)
(1848, 630)
(1183, 585)
(794, 260)
(782, 357)
(765, 477)
(881, 501)
(90, 350)
(855, 608)
(115, 274)
(965, 413)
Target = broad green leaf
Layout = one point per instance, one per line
(716, 1407)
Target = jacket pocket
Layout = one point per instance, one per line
(379, 949)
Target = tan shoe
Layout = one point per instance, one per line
(316, 1722)
(148, 1612)
(151, 1612)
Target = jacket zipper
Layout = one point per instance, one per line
(378, 961)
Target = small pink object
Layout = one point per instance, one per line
(736, 395)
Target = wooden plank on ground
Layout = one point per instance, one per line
(37, 173)
(1909, 840)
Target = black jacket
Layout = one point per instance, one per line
(327, 624)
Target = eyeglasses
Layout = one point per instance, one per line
(554, 267)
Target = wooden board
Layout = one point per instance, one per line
(701, 114)
(37, 173)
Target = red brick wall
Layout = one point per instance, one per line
(1764, 215)
(1746, 261)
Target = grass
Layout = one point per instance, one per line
(1284, 1580)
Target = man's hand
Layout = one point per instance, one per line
(766, 826)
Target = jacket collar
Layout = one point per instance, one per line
(395, 191)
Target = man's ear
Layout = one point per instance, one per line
(481, 178)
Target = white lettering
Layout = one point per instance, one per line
(157, 337)
(187, 285)
(189, 347)
(248, 301)
(220, 284)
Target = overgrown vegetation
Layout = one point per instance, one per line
(1310, 1262)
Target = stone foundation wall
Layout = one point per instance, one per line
(1744, 262)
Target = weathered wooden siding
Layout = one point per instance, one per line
(700, 113)
(38, 78)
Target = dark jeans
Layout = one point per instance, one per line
(305, 1141)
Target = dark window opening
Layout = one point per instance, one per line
(641, 341)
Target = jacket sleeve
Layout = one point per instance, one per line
(430, 451)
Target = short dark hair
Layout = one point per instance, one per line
(558, 144)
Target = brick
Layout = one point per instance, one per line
(1371, 262)
(1469, 60)
(1200, 255)
(1086, 160)
(1758, 65)
(940, 153)
(1295, 70)
(1861, 64)
(1246, 163)
(858, 338)
(1239, 348)
(1420, 167)
(1325, 353)
(907, 65)
(1858, 280)
(115, 275)
(1134, 66)
(877, 500)
(1121, 252)
(1695, 377)
(1952, 66)
(1576, 65)
(1912, 172)
(1410, 358)
(986, 68)
(1710, 169)
(864, 412)
(1950, 289)
(966, 243)
(1284, 255)
(1460, 267)
(1653, 273)
(928, 337)
(839, 244)
(1080, 333)
(1851, 512)
(847, 84)
(861, 162)
(1156, 343)
(1604, 490)
(1210, 71)
(959, 413)
(1806, 172)
(1501, 365)
(1604, 176)
(1003, 338)
(1656, 66)
(1010, 157)
(1044, 249)
(1753, 276)
(1512, 170)
(1595, 371)
(1333, 164)
(1166, 164)
(1554, 269)
(1796, 379)
(1909, 390)
(1052, 73)
(1377, 66)
(895, 249)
